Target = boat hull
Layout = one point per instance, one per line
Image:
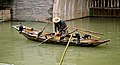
(32, 35)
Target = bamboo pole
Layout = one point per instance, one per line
(85, 32)
(90, 34)
(63, 55)
(89, 31)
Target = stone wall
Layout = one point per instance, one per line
(39, 10)
(33, 10)
(5, 15)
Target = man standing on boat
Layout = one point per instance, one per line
(60, 26)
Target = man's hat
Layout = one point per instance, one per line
(56, 19)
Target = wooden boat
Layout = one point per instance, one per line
(32, 34)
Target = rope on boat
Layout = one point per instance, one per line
(64, 52)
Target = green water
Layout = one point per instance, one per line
(15, 49)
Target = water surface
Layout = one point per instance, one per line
(15, 49)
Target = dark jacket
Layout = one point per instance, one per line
(60, 26)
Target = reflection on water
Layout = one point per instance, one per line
(16, 49)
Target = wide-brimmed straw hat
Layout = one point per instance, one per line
(56, 19)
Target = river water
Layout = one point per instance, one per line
(15, 49)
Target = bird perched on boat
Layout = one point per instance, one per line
(20, 28)
(60, 26)
(86, 36)
(77, 35)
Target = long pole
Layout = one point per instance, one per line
(63, 55)
(89, 34)
(89, 31)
